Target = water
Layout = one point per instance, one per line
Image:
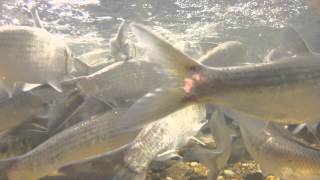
(193, 26)
(90, 24)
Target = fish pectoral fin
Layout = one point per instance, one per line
(56, 86)
(29, 86)
(170, 154)
(152, 106)
(197, 141)
(175, 62)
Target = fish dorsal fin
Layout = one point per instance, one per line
(35, 15)
(293, 42)
(161, 52)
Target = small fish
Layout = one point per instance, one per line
(278, 152)
(32, 55)
(87, 138)
(286, 90)
(157, 140)
(118, 45)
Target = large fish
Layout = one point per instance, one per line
(32, 55)
(286, 90)
(277, 151)
(82, 140)
(131, 162)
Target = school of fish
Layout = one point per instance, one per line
(61, 117)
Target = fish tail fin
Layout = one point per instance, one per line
(110, 165)
(171, 96)
(175, 62)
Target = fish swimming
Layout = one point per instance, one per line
(278, 152)
(82, 140)
(287, 90)
(32, 55)
(160, 138)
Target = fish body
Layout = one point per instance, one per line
(35, 130)
(287, 90)
(278, 152)
(132, 161)
(82, 140)
(32, 55)
(122, 81)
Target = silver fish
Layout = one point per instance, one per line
(287, 89)
(32, 55)
(82, 140)
(131, 161)
(277, 151)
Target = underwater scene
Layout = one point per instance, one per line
(159, 89)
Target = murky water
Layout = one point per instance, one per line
(89, 24)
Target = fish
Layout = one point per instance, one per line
(226, 54)
(277, 151)
(34, 56)
(88, 109)
(119, 47)
(110, 84)
(287, 89)
(84, 139)
(35, 130)
(157, 140)
(61, 109)
(17, 110)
